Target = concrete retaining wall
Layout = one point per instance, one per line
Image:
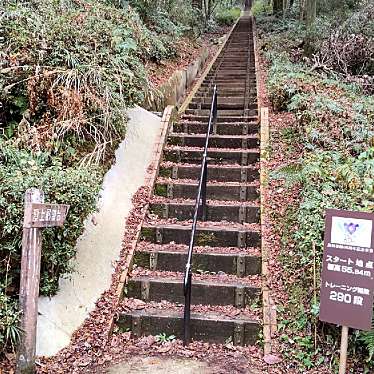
(174, 90)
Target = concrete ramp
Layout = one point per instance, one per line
(101, 242)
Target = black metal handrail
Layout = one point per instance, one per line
(199, 213)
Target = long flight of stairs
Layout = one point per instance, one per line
(227, 259)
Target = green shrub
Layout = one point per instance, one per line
(77, 186)
(79, 72)
(170, 18)
(261, 7)
(334, 131)
(9, 319)
(226, 17)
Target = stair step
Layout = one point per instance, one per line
(173, 189)
(237, 70)
(220, 118)
(235, 128)
(226, 261)
(214, 236)
(210, 327)
(203, 292)
(214, 212)
(216, 141)
(221, 173)
(221, 113)
(222, 156)
(225, 106)
(221, 100)
(207, 91)
(172, 260)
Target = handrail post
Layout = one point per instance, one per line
(215, 104)
(203, 192)
(187, 310)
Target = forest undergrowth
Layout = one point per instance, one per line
(323, 78)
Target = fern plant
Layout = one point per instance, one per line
(367, 338)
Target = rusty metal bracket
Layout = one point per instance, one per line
(169, 190)
(244, 158)
(159, 236)
(243, 193)
(145, 290)
(239, 333)
(242, 213)
(174, 172)
(178, 155)
(244, 143)
(242, 239)
(153, 257)
(165, 211)
(240, 265)
(243, 175)
(239, 296)
(136, 326)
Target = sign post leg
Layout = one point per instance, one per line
(29, 288)
(343, 350)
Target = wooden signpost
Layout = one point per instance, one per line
(347, 280)
(36, 216)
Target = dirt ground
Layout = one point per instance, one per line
(157, 365)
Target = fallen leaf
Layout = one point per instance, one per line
(272, 359)
(164, 348)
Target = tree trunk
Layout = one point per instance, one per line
(286, 7)
(197, 4)
(277, 6)
(311, 9)
(210, 6)
(302, 9)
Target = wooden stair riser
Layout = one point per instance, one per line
(204, 236)
(214, 142)
(221, 129)
(219, 331)
(216, 173)
(213, 192)
(202, 293)
(229, 213)
(240, 265)
(243, 158)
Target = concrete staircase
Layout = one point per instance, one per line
(227, 259)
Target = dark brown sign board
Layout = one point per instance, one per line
(347, 280)
(39, 215)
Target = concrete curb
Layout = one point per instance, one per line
(174, 89)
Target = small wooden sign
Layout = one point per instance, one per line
(347, 280)
(45, 215)
(36, 216)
